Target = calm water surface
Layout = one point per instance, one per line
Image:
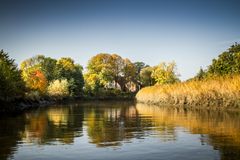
(120, 130)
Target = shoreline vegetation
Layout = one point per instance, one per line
(217, 92)
(218, 86)
(42, 80)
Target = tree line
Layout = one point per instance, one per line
(226, 64)
(42, 76)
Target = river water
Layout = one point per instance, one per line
(120, 131)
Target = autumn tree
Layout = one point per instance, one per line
(35, 79)
(105, 70)
(33, 73)
(92, 82)
(128, 77)
(165, 73)
(12, 85)
(46, 64)
(102, 66)
(50, 70)
(100, 71)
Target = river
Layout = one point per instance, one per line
(120, 131)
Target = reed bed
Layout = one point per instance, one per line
(219, 92)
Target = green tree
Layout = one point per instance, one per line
(67, 69)
(64, 68)
(48, 66)
(146, 77)
(76, 82)
(165, 73)
(12, 85)
(200, 75)
(139, 66)
(227, 63)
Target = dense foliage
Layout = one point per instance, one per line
(39, 72)
(67, 69)
(11, 84)
(227, 63)
(146, 76)
(109, 71)
(165, 73)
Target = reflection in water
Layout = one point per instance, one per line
(109, 126)
(116, 124)
(10, 134)
(222, 128)
(54, 124)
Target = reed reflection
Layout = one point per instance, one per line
(219, 129)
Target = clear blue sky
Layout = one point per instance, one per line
(191, 33)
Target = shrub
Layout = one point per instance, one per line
(33, 95)
(58, 89)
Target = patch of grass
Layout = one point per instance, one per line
(217, 91)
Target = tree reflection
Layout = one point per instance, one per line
(112, 124)
(61, 124)
(11, 129)
(109, 126)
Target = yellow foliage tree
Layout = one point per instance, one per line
(165, 73)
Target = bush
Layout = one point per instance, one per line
(33, 95)
(58, 88)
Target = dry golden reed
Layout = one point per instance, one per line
(217, 92)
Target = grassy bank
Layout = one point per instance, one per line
(223, 92)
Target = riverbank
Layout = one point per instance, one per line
(21, 105)
(24, 104)
(218, 92)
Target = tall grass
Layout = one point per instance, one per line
(214, 92)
